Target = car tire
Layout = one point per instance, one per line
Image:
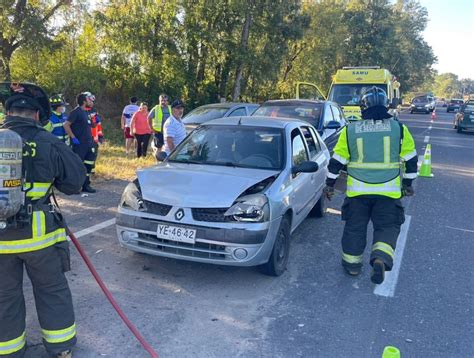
(319, 209)
(447, 111)
(278, 260)
(411, 112)
(458, 128)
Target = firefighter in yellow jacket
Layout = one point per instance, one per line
(35, 238)
(374, 150)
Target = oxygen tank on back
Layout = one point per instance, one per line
(11, 194)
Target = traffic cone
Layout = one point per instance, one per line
(391, 352)
(425, 170)
(433, 114)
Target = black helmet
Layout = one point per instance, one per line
(57, 100)
(25, 95)
(373, 96)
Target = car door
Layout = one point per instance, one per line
(302, 187)
(338, 117)
(316, 154)
(328, 135)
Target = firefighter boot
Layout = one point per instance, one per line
(378, 272)
(65, 354)
(352, 271)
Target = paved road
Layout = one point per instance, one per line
(195, 310)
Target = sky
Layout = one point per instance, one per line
(450, 32)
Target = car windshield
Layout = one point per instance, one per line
(310, 112)
(457, 101)
(349, 94)
(233, 146)
(420, 100)
(203, 114)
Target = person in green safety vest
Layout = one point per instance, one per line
(157, 117)
(381, 161)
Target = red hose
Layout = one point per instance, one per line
(111, 299)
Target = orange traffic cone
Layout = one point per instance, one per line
(433, 114)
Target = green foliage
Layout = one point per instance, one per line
(207, 51)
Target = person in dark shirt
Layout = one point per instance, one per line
(78, 127)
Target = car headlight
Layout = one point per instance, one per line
(250, 208)
(413, 105)
(132, 198)
(427, 105)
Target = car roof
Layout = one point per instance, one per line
(226, 105)
(293, 101)
(257, 121)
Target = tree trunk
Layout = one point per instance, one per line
(243, 50)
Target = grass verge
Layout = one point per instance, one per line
(112, 163)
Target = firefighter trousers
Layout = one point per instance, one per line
(88, 155)
(53, 300)
(387, 216)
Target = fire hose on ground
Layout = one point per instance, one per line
(109, 296)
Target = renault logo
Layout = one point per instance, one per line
(179, 214)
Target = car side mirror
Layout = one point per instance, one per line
(333, 125)
(161, 156)
(305, 167)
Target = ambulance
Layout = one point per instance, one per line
(349, 83)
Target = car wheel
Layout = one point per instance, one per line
(427, 112)
(411, 112)
(319, 209)
(459, 129)
(276, 265)
(447, 111)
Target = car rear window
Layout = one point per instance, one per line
(204, 114)
(309, 112)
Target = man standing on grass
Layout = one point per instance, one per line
(127, 113)
(174, 129)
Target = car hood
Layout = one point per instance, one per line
(198, 186)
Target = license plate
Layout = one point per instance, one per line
(175, 233)
(418, 107)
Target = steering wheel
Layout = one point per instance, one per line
(261, 156)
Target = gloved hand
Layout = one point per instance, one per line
(101, 139)
(328, 192)
(75, 141)
(408, 190)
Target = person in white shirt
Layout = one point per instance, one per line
(127, 114)
(174, 130)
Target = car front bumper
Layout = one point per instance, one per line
(225, 243)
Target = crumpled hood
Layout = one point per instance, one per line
(197, 186)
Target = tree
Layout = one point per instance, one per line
(24, 23)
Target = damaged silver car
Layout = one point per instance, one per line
(231, 193)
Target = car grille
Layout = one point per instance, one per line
(199, 249)
(210, 215)
(157, 208)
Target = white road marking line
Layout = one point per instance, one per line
(432, 121)
(94, 228)
(457, 228)
(430, 127)
(427, 139)
(387, 288)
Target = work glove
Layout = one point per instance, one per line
(101, 139)
(328, 192)
(408, 190)
(75, 141)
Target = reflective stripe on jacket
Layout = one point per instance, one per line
(50, 163)
(375, 164)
